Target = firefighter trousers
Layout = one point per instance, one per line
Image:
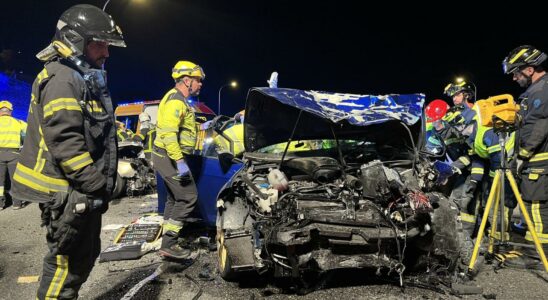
(538, 211)
(510, 203)
(64, 273)
(181, 195)
(466, 203)
(8, 162)
(534, 191)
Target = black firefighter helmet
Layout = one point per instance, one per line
(80, 25)
(522, 56)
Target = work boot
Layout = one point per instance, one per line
(170, 247)
(523, 262)
(532, 252)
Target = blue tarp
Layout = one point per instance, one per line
(18, 93)
(360, 110)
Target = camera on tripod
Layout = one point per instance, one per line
(499, 112)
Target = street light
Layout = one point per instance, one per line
(233, 84)
(461, 79)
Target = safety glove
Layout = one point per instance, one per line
(183, 172)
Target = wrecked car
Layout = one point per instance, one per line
(135, 174)
(334, 181)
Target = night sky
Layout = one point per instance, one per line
(335, 46)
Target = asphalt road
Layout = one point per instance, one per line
(22, 246)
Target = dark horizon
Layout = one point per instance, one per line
(336, 47)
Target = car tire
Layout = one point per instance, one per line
(224, 262)
(119, 187)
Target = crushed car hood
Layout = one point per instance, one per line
(271, 114)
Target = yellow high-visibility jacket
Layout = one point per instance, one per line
(176, 125)
(12, 132)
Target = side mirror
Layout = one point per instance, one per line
(226, 159)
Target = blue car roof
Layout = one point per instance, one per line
(271, 114)
(359, 110)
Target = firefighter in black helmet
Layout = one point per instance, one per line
(527, 65)
(68, 164)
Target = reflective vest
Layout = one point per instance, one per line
(12, 132)
(236, 134)
(124, 134)
(149, 138)
(176, 126)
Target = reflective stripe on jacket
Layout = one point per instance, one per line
(62, 147)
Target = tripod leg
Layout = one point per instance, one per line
(492, 235)
(525, 214)
(488, 205)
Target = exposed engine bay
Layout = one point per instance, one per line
(312, 214)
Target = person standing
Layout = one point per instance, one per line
(68, 164)
(527, 65)
(175, 139)
(12, 133)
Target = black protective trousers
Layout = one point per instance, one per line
(64, 273)
(534, 190)
(181, 196)
(8, 162)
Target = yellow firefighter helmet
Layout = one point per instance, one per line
(187, 68)
(6, 104)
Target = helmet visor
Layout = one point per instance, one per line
(113, 37)
(508, 68)
(111, 42)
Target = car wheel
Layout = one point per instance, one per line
(224, 262)
(119, 187)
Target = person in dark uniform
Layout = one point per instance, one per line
(449, 131)
(527, 65)
(68, 164)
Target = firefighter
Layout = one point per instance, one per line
(68, 164)
(449, 130)
(123, 133)
(176, 131)
(235, 134)
(147, 135)
(450, 126)
(12, 133)
(434, 111)
(527, 65)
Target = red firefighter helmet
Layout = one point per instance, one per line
(435, 110)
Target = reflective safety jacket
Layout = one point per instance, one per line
(533, 130)
(149, 136)
(124, 134)
(12, 132)
(71, 138)
(236, 134)
(176, 126)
